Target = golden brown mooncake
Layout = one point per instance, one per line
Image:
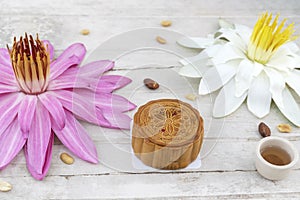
(167, 134)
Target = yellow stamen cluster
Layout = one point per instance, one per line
(31, 64)
(267, 37)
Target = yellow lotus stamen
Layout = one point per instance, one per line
(31, 64)
(267, 37)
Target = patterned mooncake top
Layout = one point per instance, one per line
(168, 122)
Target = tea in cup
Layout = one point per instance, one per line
(275, 157)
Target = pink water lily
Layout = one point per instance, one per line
(41, 96)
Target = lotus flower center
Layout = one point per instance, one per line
(267, 37)
(31, 64)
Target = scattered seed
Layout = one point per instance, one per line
(5, 186)
(85, 31)
(161, 40)
(166, 23)
(284, 128)
(66, 158)
(191, 97)
(264, 130)
(151, 84)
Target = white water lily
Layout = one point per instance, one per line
(259, 64)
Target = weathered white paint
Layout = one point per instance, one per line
(227, 170)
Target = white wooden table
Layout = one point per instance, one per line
(227, 170)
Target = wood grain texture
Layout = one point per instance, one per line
(125, 31)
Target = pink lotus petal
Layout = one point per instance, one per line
(73, 55)
(46, 166)
(8, 88)
(86, 106)
(75, 138)
(4, 57)
(48, 44)
(113, 101)
(7, 68)
(9, 106)
(82, 106)
(38, 140)
(66, 81)
(102, 121)
(116, 120)
(59, 66)
(104, 100)
(96, 68)
(26, 113)
(55, 108)
(7, 76)
(11, 142)
(110, 83)
(8, 80)
(81, 77)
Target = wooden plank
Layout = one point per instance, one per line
(227, 171)
(217, 184)
(133, 8)
(62, 30)
(115, 158)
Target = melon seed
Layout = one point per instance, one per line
(284, 128)
(85, 31)
(161, 40)
(166, 23)
(66, 158)
(5, 186)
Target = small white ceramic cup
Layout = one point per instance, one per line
(271, 171)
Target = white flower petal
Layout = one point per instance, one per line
(190, 71)
(257, 68)
(234, 39)
(225, 24)
(283, 62)
(259, 96)
(288, 107)
(196, 42)
(244, 77)
(216, 77)
(292, 47)
(201, 56)
(195, 66)
(227, 52)
(293, 80)
(226, 101)
(285, 58)
(212, 50)
(195, 69)
(244, 32)
(277, 83)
